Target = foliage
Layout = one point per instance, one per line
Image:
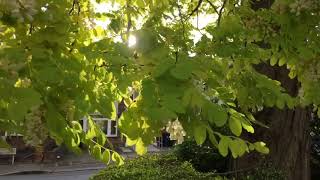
(265, 172)
(153, 167)
(54, 54)
(315, 146)
(36, 133)
(203, 158)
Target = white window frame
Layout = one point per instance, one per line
(109, 121)
(85, 123)
(108, 134)
(6, 134)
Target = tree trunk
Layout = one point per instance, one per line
(38, 154)
(288, 135)
(288, 139)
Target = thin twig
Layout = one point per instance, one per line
(20, 4)
(74, 4)
(72, 8)
(30, 29)
(182, 21)
(221, 10)
(106, 149)
(79, 8)
(213, 6)
(235, 171)
(196, 8)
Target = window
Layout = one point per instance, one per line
(5, 134)
(108, 126)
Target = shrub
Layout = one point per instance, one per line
(153, 167)
(266, 172)
(203, 158)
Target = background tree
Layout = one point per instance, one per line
(206, 77)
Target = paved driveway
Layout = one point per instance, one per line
(74, 175)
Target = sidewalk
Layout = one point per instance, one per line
(68, 163)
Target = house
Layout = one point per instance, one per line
(108, 126)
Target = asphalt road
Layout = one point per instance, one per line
(74, 175)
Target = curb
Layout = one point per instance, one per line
(79, 169)
(52, 171)
(24, 172)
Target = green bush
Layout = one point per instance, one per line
(153, 167)
(266, 172)
(203, 158)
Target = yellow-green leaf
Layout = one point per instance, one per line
(106, 156)
(273, 61)
(200, 134)
(247, 126)
(235, 125)
(117, 158)
(261, 147)
(282, 61)
(141, 147)
(223, 145)
(96, 151)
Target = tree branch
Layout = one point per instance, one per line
(182, 21)
(74, 4)
(221, 10)
(196, 8)
(129, 24)
(213, 6)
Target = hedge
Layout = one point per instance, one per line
(154, 167)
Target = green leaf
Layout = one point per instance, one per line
(117, 158)
(212, 138)
(282, 61)
(223, 145)
(130, 142)
(74, 138)
(17, 111)
(217, 115)
(234, 148)
(76, 126)
(141, 3)
(96, 151)
(261, 147)
(238, 147)
(200, 134)
(55, 123)
(25, 98)
(115, 25)
(183, 70)
(101, 138)
(172, 103)
(247, 126)
(273, 61)
(91, 133)
(292, 74)
(141, 147)
(106, 156)
(280, 103)
(146, 40)
(162, 68)
(235, 125)
(242, 147)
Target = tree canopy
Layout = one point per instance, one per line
(57, 65)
